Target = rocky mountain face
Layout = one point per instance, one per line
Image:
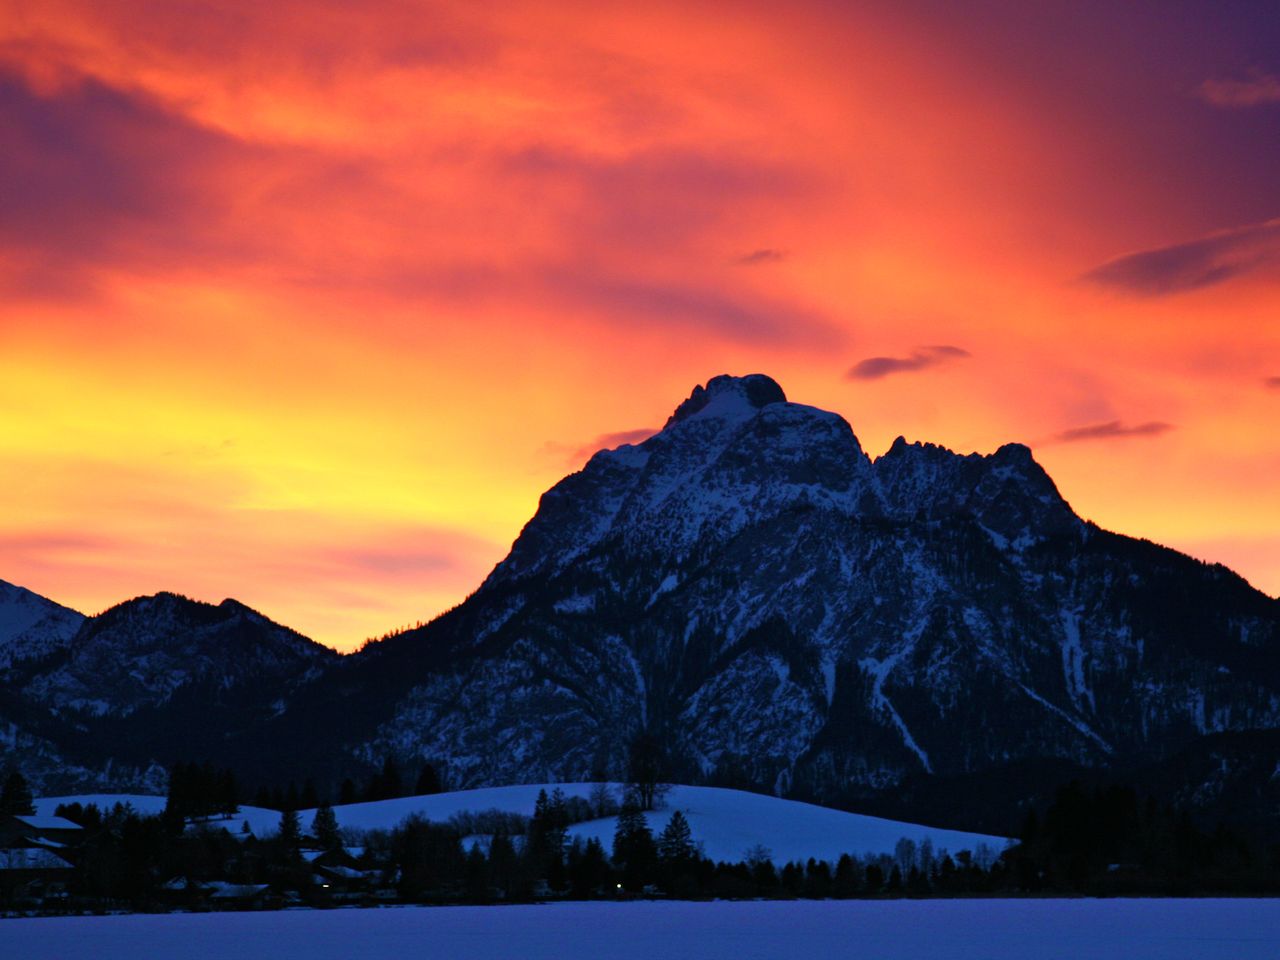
(148, 681)
(784, 612)
(776, 608)
(31, 626)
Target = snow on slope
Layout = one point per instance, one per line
(730, 822)
(261, 821)
(726, 822)
(723, 930)
(32, 626)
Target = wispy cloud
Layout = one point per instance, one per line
(1260, 88)
(693, 306)
(575, 454)
(1272, 383)
(757, 257)
(874, 368)
(1194, 264)
(1112, 430)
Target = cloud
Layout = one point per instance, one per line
(607, 441)
(1208, 260)
(395, 561)
(763, 255)
(94, 177)
(52, 541)
(574, 455)
(1272, 382)
(1112, 430)
(691, 306)
(1261, 88)
(874, 368)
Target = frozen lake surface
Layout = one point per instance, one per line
(885, 930)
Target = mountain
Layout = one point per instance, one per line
(781, 611)
(31, 626)
(154, 680)
(776, 610)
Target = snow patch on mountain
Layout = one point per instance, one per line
(32, 627)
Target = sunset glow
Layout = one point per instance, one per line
(306, 303)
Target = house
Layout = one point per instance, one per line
(36, 857)
(237, 896)
(32, 875)
(36, 829)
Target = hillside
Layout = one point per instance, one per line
(726, 822)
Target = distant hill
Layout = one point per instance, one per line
(726, 822)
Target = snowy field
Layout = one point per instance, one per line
(884, 930)
(726, 822)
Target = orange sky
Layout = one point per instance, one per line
(306, 303)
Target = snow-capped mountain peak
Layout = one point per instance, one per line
(748, 585)
(728, 396)
(31, 626)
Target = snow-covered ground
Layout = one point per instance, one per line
(726, 822)
(261, 821)
(729, 822)
(885, 930)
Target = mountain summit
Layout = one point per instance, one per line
(779, 610)
(726, 395)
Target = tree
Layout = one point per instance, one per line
(675, 845)
(602, 801)
(290, 835)
(475, 877)
(198, 791)
(588, 869)
(428, 856)
(874, 877)
(634, 851)
(904, 855)
(544, 847)
(428, 781)
(504, 865)
(387, 785)
(347, 793)
(15, 796)
(757, 854)
(310, 796)
(325, 827)
(846, 879)
(646, 771)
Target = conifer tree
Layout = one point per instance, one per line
(588, 869)
(503, 863)
(325, 827)
(290, 835)
(15, 796)
(475, 876)
(634, 851)
(428, 781)
(675, 845)
(347, 793)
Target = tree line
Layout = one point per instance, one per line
(1096, 842)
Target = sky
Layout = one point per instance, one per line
(306, 303)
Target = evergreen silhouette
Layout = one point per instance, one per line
(325, 827)
(15, 796)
